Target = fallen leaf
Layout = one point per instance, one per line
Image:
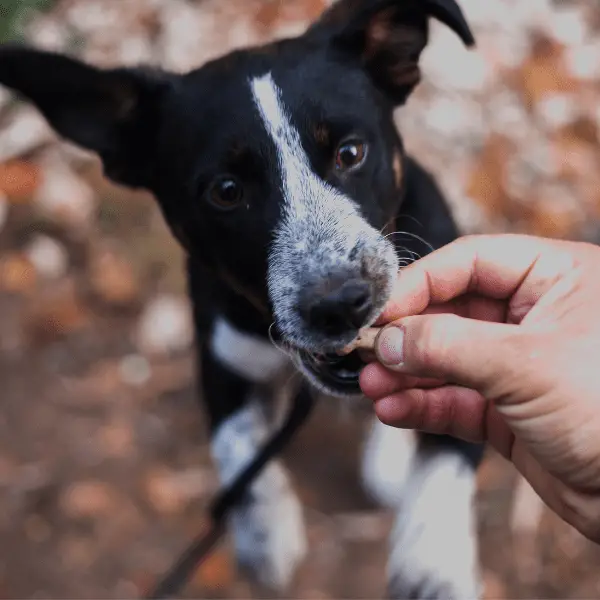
(37, 529)
(113, 279)
(553, 221)
(58, 313)
(63, 196)
(8, 470)
(19, 180)
(576, 158)
(89, 499)
(274, 12)
(165, 326)
(77, 552)
(17, 274)
(170, 492)
(486, 184)
(163, 498)
(544, 72)
(48, 256)
(117, 440)
(4, 209)
(216, 573)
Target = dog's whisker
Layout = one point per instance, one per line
(414, 236)
(411, 253)
(404, 248)
(312, 355)
(286, 348)
(403, 251)
(282, 348)
(387, 235)
(388, 224)
(406, 216)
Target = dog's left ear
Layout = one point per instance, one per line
(387, 37)
(112, 112)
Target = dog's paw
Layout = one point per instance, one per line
(434, 550)
(430, 586)
(429, 567)
(268, 531)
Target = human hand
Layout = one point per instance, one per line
(497, 339)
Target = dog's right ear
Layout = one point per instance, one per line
(113, 113)
(387, 37)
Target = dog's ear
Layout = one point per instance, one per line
(388, 37)
(113, 113)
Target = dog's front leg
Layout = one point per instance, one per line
(268, 526)
(434, 551)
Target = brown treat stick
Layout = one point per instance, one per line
(364, 341)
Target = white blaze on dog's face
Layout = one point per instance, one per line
(330, 272)
(321, 236)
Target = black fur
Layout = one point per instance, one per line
(175, 134)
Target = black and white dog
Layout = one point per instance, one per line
(280, 171)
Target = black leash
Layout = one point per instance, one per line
(180, 573)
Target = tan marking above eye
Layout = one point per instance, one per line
(397, 166)
(321, 134)
(379, 32)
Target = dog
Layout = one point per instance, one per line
(280, 171)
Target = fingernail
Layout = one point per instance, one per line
(390, 346)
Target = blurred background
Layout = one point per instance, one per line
(104, 468)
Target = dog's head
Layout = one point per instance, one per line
(278, 167)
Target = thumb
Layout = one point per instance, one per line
(463, 351)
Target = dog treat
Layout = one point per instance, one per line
(364, 341)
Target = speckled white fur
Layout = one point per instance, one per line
(268, 525)
(321, 231)
(434, 541)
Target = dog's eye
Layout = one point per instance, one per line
(226, 193)
(350, 155)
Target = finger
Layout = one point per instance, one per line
(469, 353)
(494, 266)
(472, 306)
(376, 381)
(447, 410)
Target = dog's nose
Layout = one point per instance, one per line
(340, 310)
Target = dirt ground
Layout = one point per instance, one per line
(105, 473)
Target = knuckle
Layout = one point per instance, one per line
(472, 242)
(463, 245)
(467, 240)
(438, 413)
(432, 346)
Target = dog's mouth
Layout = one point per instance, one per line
(339, 374)
(334, 372)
